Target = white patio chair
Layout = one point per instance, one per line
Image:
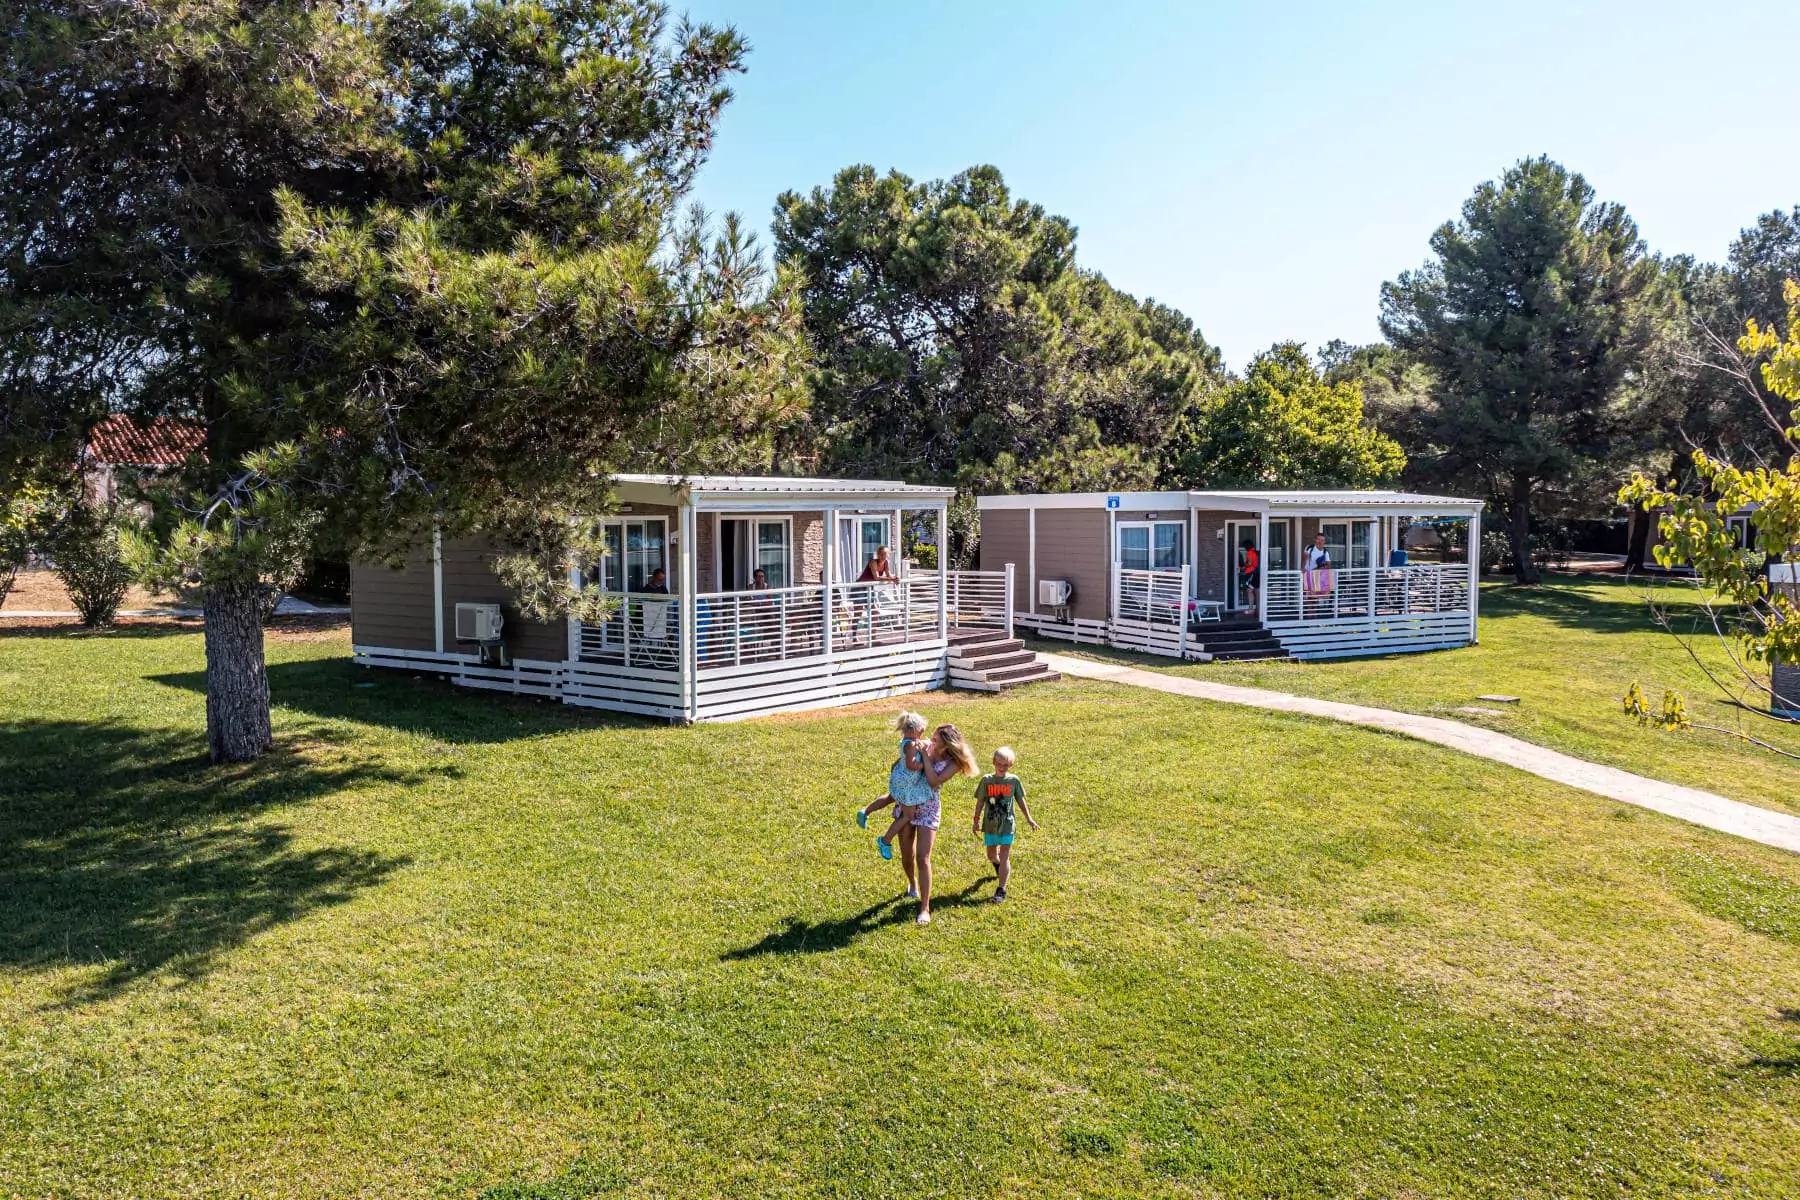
(656, 634)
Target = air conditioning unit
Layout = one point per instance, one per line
(1054, 593)
(478, 623)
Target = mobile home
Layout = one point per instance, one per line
(1163, 571)
(693, 633)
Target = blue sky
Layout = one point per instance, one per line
(1265, 167)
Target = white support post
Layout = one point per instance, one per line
(943, 557)
(1031, 560)
(1193, 552)
(1262, 562)
(690, 628)
(826, 606)
(1112, 565)
(437, 590)
(1474, 576)
(574, 625)
(1187, 574)
(1010, 574)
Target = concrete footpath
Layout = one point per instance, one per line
(1689, 804)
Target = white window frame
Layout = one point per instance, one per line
(1348, 525)
(1740, 526)
(612, 628)
(1119, 528)
(849, 570)
(786, 524)
(620, 523)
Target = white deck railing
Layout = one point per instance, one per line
(735, 629)
(981, 598)
(1364, 592)
(1150, 597)
(642, 631)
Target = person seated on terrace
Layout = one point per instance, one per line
(759, 580)
(659, 583)
(878, 570)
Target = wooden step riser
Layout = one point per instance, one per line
(993, 662)
(986, 650)
(1006, 685)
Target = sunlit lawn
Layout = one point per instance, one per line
(445, 945)
(1568, 649)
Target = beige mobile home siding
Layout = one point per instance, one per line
(392, 608)
(1071, 545)
(1005, 538)
(1209, 556)
(469, 579)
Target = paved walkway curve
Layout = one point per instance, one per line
(1690, 804)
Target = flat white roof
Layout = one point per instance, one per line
(1247, 500)
(772, 487)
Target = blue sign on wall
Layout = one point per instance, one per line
(1112, 502)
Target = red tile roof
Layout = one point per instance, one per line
(161, 442)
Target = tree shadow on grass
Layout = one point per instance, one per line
(121, 848)
(338, 689)
(798, 936)
(71, 630)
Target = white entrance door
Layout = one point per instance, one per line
(1239, 537)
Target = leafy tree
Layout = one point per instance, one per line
(1281, 425)
(1530, 320)
(413, 264)
(958, 342)
(1758, 621)
(1397, 396)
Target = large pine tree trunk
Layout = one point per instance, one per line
(1519, 530)
(237, 686)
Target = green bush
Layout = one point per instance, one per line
(22, 524)
(88, 553)
(15, 548)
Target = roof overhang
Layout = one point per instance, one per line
(753, 493)
(1283, 503)
(1128, 501)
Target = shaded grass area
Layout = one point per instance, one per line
(1568, 648)
(463, 945)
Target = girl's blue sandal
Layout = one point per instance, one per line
(862, 818)
(882, 845)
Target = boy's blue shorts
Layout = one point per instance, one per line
(997, 839)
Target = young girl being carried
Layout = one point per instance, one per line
(908, 788)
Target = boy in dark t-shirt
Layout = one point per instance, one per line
(996, 796)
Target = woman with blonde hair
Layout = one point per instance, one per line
(947, 757)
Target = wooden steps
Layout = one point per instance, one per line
(1236, 640)
(987, 660)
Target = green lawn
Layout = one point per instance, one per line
(451, 945)
(1568, 649)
